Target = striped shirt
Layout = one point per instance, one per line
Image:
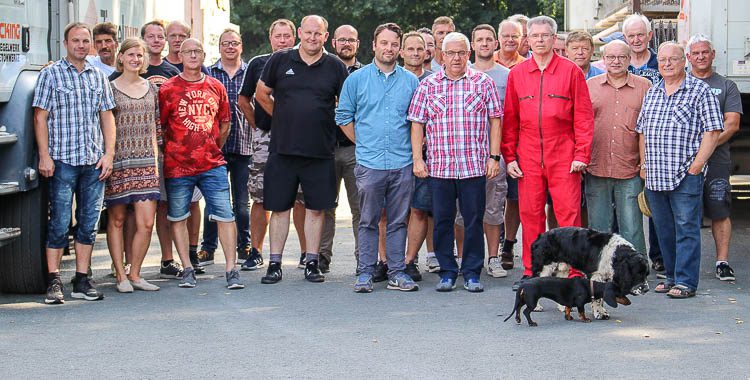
(239, 138)
(74, 101)
(673, 127)
(456, 116)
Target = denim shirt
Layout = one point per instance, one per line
(377, 104)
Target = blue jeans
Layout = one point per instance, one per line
(471, 195)
(602, 192)
(677, 218)
(214, 185)
(374, 186)
(239, 170)
(83, 182)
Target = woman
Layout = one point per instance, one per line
(135, 179)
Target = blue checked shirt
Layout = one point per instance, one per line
(673, 127)
(239, 138)
(74, 101)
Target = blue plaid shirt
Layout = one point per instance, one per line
(74, 101)
(239, 138)
(673, 127)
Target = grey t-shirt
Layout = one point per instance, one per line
(729, 101)
(425, 74)
(499, 74)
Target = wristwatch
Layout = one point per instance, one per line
(495, 157)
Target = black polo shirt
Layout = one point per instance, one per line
(252, 75)
(305, 96)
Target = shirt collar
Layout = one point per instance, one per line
(605, 80)
(296, 57)
(550, 66)
(687, 83)
(219, 66)
(441, 74)
(86, 64)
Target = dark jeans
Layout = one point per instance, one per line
(238, 167)
(471, 195)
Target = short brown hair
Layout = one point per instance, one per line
(128, 44)
(105, 28)
(281, 21)
(153, 23)
(483, 27)
(443, 20)
(577, 36)
(75, 25)
(229, 30)
(387, 26)
(412, 34)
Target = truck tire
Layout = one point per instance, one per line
(23, 263)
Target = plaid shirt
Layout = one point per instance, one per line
(456, 116)
(673, 127)
(74, 101)
(239, 138)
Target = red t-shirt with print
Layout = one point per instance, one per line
(191, 113)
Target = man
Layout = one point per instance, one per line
(579, 47)
(195, 115)
(372, 111)
(459, 156)
(159, 70)
(716, 189)
(177, 32)
(307, 80)
(346, 43)
(523, 46)
(612, 175)
(281, 36)
(105, 43)
(429, 42)
(510, 40)
(559, 47)
(680, 116)
(440, 28)
(546, 150)
(230, 71)
(75, 134)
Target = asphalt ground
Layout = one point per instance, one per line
(296, 329)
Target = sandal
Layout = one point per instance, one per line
(663, 287)
(681, 291)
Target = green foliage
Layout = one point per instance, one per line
(254, 16)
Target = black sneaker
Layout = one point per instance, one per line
(254, 261)
(173, 270)
(82, 289)
(205, 257)
(243, 254)
(519, 282)
(658, 267)
(381, 272)
(301, 264)
(412, 270)
(273, 273)
(195, 262)
(324, 265)
(723, 272)
(55, 293)
(312, 272)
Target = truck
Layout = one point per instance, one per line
(31, 35)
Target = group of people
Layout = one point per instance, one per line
(439, 149)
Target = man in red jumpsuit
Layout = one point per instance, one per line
(547, 134)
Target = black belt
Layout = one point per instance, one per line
(343, 144)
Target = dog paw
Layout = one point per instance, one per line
(533, 324)
(601, 315)
(561, 308)
(586, 320)
(539, 308)
(568, 318)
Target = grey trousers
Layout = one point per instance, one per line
(345, 162)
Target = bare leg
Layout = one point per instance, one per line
(722, 231)
(129, 231)
(382, 227)
(115, 241)
(512, 219)
(180, 235)
(459, 232)
(416, 233)
(430, 231)
(278, 228)
(194, 223)
(551, 219)
(314, 220)
(164, 231)
(144, 225)
(83, 257)
(492, 234)
(298, 215)
(258, 224)
(228, 239)
(54, 255)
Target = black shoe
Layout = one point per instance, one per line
(412, 270)
(243, 254)
(55, 293)
(254, 261)
(196, 263)
(301, 264)
(324, 265)
(312, 272)
(82, 289)
(723, 272)
(205, 257)
(173, 270)
(381, 272)
(657, 265)
(273, 273)
(519, 282)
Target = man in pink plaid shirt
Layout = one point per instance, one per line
(457, 113)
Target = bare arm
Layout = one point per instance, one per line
(348, 130)
(41, 132)
(705, 150)
(731, 126)
(223, 133)
(247, 108)
(263, 97)
(493, 167)
(417, 139)
(107, 119)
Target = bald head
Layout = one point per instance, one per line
(348, 29)
(346, 43)
(618, 45)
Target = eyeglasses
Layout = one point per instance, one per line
(192, 52)
(231, 43)
(612, 58)
(451, 54)
(672, 60)
(543, 36)
(344, 41)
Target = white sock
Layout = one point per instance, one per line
(430, 254)
(719, 262)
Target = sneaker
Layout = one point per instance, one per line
(233, 280)
(363, 284)
(446, 284)
(381, 272)
(506, 260)
(495, 268)
(312, 272)
(324, 265)
(412, 269)
(519, 282)
(301, 264)
(188, 279)
(124, 286)
(402, 282)
(243, 254)
(433, 266)
(173, 270)
(84, 290)
(205, 257)
(55, 293)
(144, 285)
(724, 272)
(473, 285)
(196, 263)
(254, 260)
(273, 273)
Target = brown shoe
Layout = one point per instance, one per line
(506, 260)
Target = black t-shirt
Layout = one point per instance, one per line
(180, 66)
(304, 103)
(155, 74)
(252, 75)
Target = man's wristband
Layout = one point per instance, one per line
(495, 157)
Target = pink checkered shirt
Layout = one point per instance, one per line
(456, 115)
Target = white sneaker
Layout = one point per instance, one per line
(432, 264)
(495, 268)
(144, 285)
(125, 286)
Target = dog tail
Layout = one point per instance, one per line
(519, 295)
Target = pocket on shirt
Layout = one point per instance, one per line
(682, 114)
(437, 105)
(474, 103)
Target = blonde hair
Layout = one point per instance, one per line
(128, 44)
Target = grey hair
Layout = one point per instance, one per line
(636, 17)
(697, 39)
(543, 20)
(519, 18)
(515, 24)
(455, 37)
(672, 43)
(616, 42)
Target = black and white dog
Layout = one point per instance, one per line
(602, 256)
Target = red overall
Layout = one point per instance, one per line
(548, 124)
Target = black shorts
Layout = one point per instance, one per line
(285, 173)
(717, 192)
